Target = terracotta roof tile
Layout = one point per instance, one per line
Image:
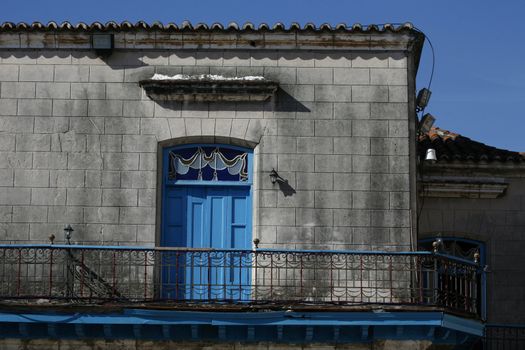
(451, 146)
(186, 25)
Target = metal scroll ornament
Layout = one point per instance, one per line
(223, 167)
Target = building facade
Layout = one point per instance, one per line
(472, 199)
(267, 172)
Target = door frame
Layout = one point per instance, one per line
(164, 183)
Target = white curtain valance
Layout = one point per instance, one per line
(216, 160)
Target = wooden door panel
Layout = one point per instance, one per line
(207, 217)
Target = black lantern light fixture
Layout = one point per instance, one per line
(274, 176)
(426, 123)
(422, 99)
(67, 231)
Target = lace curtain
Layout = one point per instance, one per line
(208, 163)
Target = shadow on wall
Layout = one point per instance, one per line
(176, 61)
(285, 188)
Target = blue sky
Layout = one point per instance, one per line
(478, 87)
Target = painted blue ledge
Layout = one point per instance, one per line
(274, 318)
(275, 326)
(463, 325)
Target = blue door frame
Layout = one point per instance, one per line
(206, 214)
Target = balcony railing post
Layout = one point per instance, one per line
(50, 291)
(255, 279)
(476, 278)
(113, 271)
(177, 257)
(301, 277)
(240, 275)
(331, 277)
(209, 274)
(361, 294)
(82, 272)
(19, 273)
(145, 275)
(435, 287)
(271, 276)
(390, 279)
(419, 278)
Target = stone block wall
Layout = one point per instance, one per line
(79, 141)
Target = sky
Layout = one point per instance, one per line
(478, 84)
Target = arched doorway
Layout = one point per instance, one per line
(206, 215)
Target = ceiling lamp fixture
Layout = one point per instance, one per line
(431, 156)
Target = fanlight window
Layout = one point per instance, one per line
(208, 164)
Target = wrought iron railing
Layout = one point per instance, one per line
(504, 337)
(131, 274)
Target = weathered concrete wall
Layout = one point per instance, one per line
(500, 223)
(79, 144)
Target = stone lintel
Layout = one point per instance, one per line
(199, 90)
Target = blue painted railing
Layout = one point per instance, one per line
(136, 274)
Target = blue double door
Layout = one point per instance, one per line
(214, 223)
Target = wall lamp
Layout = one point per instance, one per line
(426, 123)
(275, 177)
(422, 99)
(67, 231)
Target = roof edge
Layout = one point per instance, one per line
(158, 36)
(188, 26)
(453, 148)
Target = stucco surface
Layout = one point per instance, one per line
(80, 139)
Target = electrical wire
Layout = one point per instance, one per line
(433, 56)
(419, 210)
(427, 39)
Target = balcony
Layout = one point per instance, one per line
(202, 278)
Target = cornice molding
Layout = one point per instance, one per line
(462, 187)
